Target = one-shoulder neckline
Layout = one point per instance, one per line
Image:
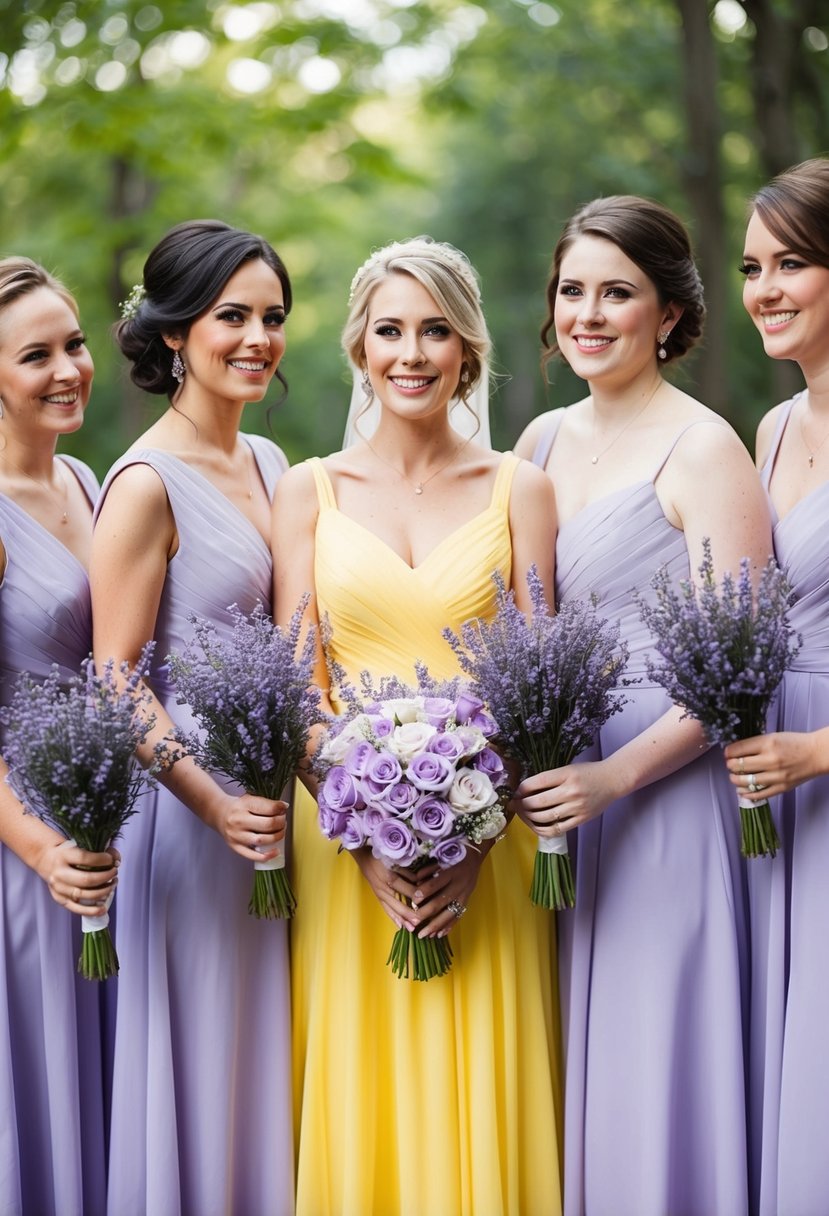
(35, 523)
(492, 505)
(135, 457)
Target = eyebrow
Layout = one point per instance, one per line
(46, 343)
(246, 307)
(604, 283)
(778, 253)
(398, 321)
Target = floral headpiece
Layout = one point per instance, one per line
(133, 301)
(420, 246)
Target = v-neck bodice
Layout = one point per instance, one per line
(383, 612)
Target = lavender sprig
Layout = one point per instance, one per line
(547, 681)
(724, 651)
(70, 747)
(252, 693)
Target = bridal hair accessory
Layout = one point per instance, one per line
(458, 261)
(133, 301)
(178, 369)
(662, 339)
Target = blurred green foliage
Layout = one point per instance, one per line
(333, 126)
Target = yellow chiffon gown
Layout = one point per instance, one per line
(440, 1098)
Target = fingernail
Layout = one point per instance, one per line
(418, 895)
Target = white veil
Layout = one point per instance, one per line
(470, 418)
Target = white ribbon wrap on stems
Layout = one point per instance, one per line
(273, 863)
(553, 844)
(748, 804)
(92, 924)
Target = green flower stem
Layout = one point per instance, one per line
(98, 959)
(759, 836)
(272, 897)
(412, 957)
(552, 885)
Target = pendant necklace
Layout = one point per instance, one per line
(64, 510)
(418, 485)
(595, 459)
(812, 452)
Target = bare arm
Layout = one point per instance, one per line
(133, 540)
(733, 512)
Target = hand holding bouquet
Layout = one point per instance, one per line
(70, 747)
(408, 773)
(724, 653)
(251, 691)
(547, 680)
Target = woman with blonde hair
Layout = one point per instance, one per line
(439, 1097)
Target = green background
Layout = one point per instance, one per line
(333, 126)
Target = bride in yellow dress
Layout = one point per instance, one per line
(439, 1097)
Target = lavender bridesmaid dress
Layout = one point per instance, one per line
(201, 1104)
(52, 1146)
(654, 958)
(791, 1097)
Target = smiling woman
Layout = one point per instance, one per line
(786, 294)
(52, 1155)
(182, 527)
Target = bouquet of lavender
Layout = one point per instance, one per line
(252, 694)
(408, 773)
(725, 651)
(547, 680)
(70, 747)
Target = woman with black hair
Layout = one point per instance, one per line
(201, 1120)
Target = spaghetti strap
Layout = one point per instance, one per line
(83, 473)
(503, 481)
(545, 444)
(325, 490)
(782, 422)
(676, 439)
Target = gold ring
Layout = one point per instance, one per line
(741, 763)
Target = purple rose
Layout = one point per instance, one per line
(432, 818)
(485, 723)
(399, 799)
(382, 727)
(383, 770)
(339, 791)
(447, 744)
(332, 823)
(466, 706)
(353, 835)
(437, 711)
(431, 773)
(358, 757)
(372, 817)
(489, 762)
(449, 852)
(394, 843)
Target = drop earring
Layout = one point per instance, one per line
(1, 407)
(178, 370)
(661, 339)
(368, 388)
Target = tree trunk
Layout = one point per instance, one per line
(703, 181)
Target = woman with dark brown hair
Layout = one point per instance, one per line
(786, 294)
(654, 957)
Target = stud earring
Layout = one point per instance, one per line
(661, 340)
(179, 371)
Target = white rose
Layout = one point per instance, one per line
(404, 709)
(336, 749)
(470, 791)
(408, 740)
(473, 739)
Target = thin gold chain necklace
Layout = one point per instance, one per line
(597, 456)
(64, 510)
(418, 485)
